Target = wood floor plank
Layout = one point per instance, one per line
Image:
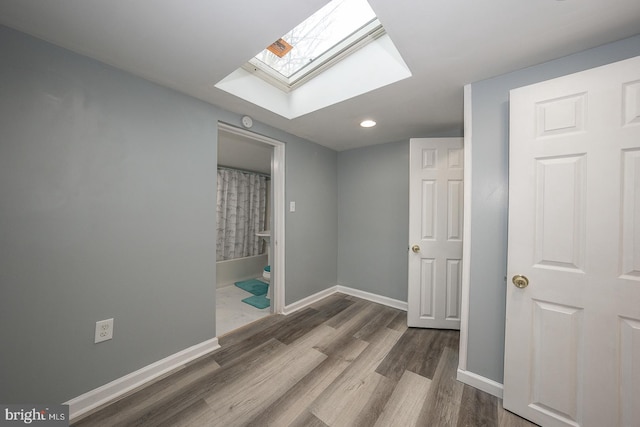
(341, 347)
(297, 325)
(291, 405)
(280, 331)
(296, 330)
(399, 323)
(239, 403)
(351, 400)
(255, 334)
(184, 397)
(136, 404)
(196, 414)
(251, 329)
(342, 361)
(425, 362)
(330, 301)
(262, 386)
(307, 420)
(442, 403)
(375, 403)
(340, 399)
(344, 316)
(405, 404)
(345, 333)
(477, 409)
(381, 319)
(409, 350)
(357, 319)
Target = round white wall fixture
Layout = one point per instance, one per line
(247, 121)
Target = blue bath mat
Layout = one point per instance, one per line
(258, 301)
(254, 286)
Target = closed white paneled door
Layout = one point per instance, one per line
(572, 349)
(435, 232)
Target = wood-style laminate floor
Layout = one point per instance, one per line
(340, 362)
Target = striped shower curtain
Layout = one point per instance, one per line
(242, 202)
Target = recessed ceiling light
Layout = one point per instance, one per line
(367, 123)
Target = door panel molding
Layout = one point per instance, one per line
(436, 195)
(572, 334)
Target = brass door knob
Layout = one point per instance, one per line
(415, 249)
(520, 281)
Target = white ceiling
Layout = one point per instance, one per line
(190, 45)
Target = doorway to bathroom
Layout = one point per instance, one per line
(250, 228)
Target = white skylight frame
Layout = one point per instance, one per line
(365, 34)
(354, 75)
(363, 62)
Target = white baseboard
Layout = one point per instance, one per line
(481, 383)
(390, 302)
(92, 399)
(299, 305)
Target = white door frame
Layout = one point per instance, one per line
(466, 240)
(485, 384)
(277, 234)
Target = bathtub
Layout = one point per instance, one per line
(234, 270)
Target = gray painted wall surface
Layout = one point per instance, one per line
(490, 110)
(107, 185)
(312, 185)
(104, 214)
(373, 221)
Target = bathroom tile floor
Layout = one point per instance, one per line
(232, 313)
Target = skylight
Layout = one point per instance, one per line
(339, 53)
(331, 33)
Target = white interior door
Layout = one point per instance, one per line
(435, 232)
(572, 346)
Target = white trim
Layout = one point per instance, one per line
(311, 299)
(278, 236)
(248, 134)
(481, 383)
(390, 302)
(109, 392)
(299, 305)
(338, 52)
(327, 88)
(278, 267)
(466, 233)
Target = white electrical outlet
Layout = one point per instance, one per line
(104, 330)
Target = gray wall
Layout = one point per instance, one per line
(107, 185)
(312, 184)
(373, 207)
(490, 110)
(373, 221)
